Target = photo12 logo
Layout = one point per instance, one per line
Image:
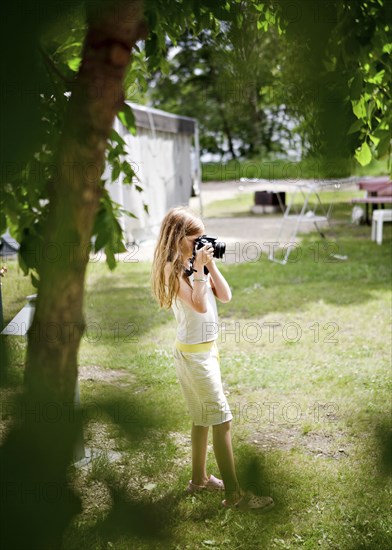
(251, 252)
(271, 412)
(271, 331)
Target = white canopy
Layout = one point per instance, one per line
(161, 157)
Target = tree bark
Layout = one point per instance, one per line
(39, 449)
(220, 104)
(97, 95)
(226, 128)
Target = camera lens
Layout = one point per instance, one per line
(219, 250)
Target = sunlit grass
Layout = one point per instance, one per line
(241, 204)
(286, 169)
(305, 357)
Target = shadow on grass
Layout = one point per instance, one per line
(149, 521)
(37, 500)
(262, 475)
(374, 533)
(177, 520)
(384, 437)
(124, 313)
(139, 522)
(136, 416)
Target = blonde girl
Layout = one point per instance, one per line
(192, 298)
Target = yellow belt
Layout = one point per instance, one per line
(195, 348)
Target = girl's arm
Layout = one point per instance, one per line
(219, 284)
(196, 296)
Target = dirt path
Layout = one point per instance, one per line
(246, 237)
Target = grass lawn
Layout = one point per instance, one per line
(274, 168)
(305, 356)
(241, 204)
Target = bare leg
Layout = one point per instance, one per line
(199, 437)
(224, 457)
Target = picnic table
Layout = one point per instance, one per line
(378, 193)
(303, 192)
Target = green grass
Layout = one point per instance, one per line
(15, 287)
(271, 169)
(311, 405)
(242, 203)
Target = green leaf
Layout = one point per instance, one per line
(127, 169)
(30, 251)
(377, 78)
(22, 264)
(108, 231)
(34, 280)
(129, 213)
(270, 17)
(384, 146)
(102, 235)
(363, 154)
(359, 108)
(387, 48)
(355, 127)
(121, 247)
(115, 152)
(262, 25)
(65, 47)
(382, 133)
(165, 67)
(115, 136)
(127, 118)
(74, 63)
(3, 223)
(356, 86)
(116, 170)
(110, 258)
(370, 108)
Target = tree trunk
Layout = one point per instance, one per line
(221, 106)
(38, 451)
(97, 96)
(226, 129)
(257, 120)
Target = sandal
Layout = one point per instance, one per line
(213, 484)
(249, 501)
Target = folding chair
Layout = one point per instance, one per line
(306, 189)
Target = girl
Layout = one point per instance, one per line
(192, 298)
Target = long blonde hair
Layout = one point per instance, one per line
(180, 222)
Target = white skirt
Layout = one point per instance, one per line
(200, 379)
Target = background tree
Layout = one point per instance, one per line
(218, 78)
(336, 78)
(322, 67)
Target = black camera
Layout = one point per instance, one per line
(219, 248)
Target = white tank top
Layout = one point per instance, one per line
(194, 327)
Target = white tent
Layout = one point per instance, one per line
(166, 166)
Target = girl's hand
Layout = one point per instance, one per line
(203, 256)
